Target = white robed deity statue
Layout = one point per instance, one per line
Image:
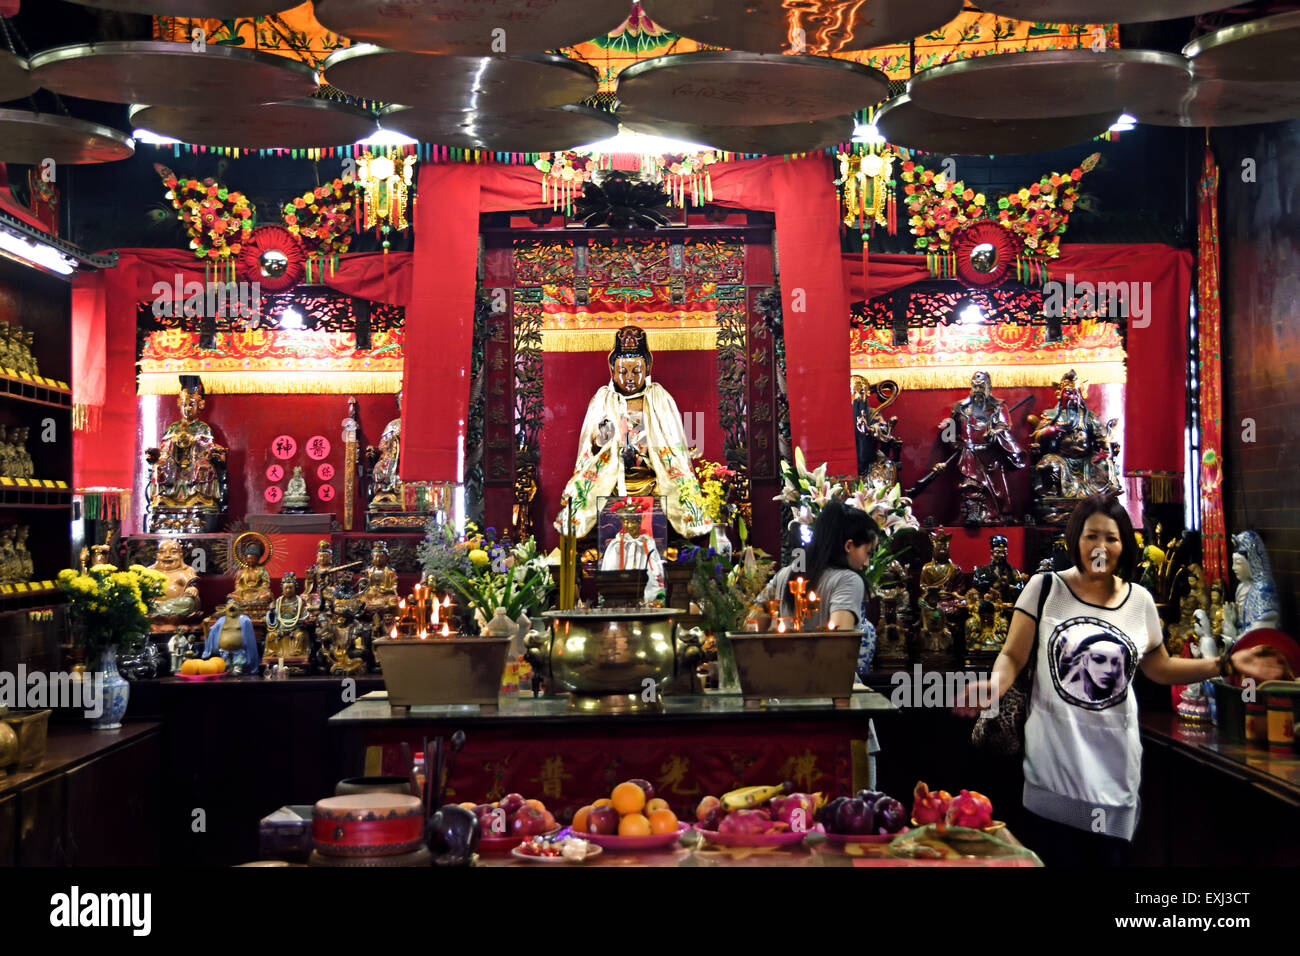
(633, 443)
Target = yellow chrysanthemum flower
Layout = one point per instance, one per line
(66, 575)
(479, 557)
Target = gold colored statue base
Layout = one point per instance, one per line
(615, 704)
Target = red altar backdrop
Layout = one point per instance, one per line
(440, 317)
(1153, 413)
(251, 425)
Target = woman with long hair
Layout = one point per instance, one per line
(843, 538)
(1096, 626)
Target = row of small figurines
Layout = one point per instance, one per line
(15, 560)
(15, 459)
(16, 348)
(194, 522)
(900, 622)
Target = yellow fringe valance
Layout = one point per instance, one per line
(602, 340)
(1004, 376)
(275, 383)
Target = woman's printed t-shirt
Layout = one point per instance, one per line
(1083, 752)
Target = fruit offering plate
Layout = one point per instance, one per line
(783, 838)
(593, 850)
(504, 844)
(864, 838)
(201, 676)
(656, 841)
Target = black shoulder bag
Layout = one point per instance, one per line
(1004, 733)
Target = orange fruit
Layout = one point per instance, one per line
(218, 665)
(210, 666)
(603, 802)
(580, 820)
(634, 824)
(536, 804)
(628, 798)
(190, 666)
(663, 821)
(658, 803)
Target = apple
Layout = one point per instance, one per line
(528, 821)
(511, 803)
(549, 821)
(658, 803)
(602, 820)
(707, 806)
(713, 819)
(646, 786)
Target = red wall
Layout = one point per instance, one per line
(247, 425)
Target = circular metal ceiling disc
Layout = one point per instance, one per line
(296, 124)
(1265, 49)
(773, 140)
(760, 89)
(471, 27)
(15, 78)
(208, 9)
(779, 26)
(498, 84)
(1100, 11)
(31, 138)
(1211, 102)
(171, 74)
(1042, 84)
(536, 131)
(903, 123)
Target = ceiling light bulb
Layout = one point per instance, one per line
(152, 138)
(387, 137)
(867, 133)
(1124, 123)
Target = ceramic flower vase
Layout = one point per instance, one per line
(867, 650)
(117, 690)
(719, 541)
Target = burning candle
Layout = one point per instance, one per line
(393, 633)
(781, 627)
(424, 635)
(446, 630)
(435, 609)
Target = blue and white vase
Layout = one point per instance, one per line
(117, 690)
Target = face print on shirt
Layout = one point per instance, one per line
(1092, 662)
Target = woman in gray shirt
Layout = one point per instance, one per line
(843, 538)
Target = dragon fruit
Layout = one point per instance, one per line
(928, 807)
(746, 823)
(797, 810)
(970, 809)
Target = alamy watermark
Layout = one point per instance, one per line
(38, 690)
(76, 909)
(1112, 300)
(946, 689)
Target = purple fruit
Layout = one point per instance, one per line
(854, 818)
(890, 815)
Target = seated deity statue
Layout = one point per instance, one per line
(296, 499)
(286, 631)
(252, 583)
(632, 550)
(185, 470)
(1074, 455)
(999, 572)
(632, 443)
(936, 638)
(940, 572)
(9, 561)
(180, 600)
(25, 566)
(385, 485)
(1256, 605)
(378, 582)
(232, 637)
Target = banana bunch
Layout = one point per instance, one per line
(747, 798)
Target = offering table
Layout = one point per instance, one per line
(699, 744)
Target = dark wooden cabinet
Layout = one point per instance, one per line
(91, 802)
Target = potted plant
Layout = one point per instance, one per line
(110, 608)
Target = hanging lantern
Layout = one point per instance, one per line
(384, 186)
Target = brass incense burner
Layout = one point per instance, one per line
(613, 660)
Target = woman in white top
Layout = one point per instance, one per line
(1083, 752)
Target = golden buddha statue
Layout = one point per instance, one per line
(25, 568)
(8, 356)
(385, 485)
(286, 635)
(26, 357)
(252, 584)
(379, 581)
(180, 600)
(23, 467)
(184, 469)
(632, 443)
(8, 468)
(9, 563)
